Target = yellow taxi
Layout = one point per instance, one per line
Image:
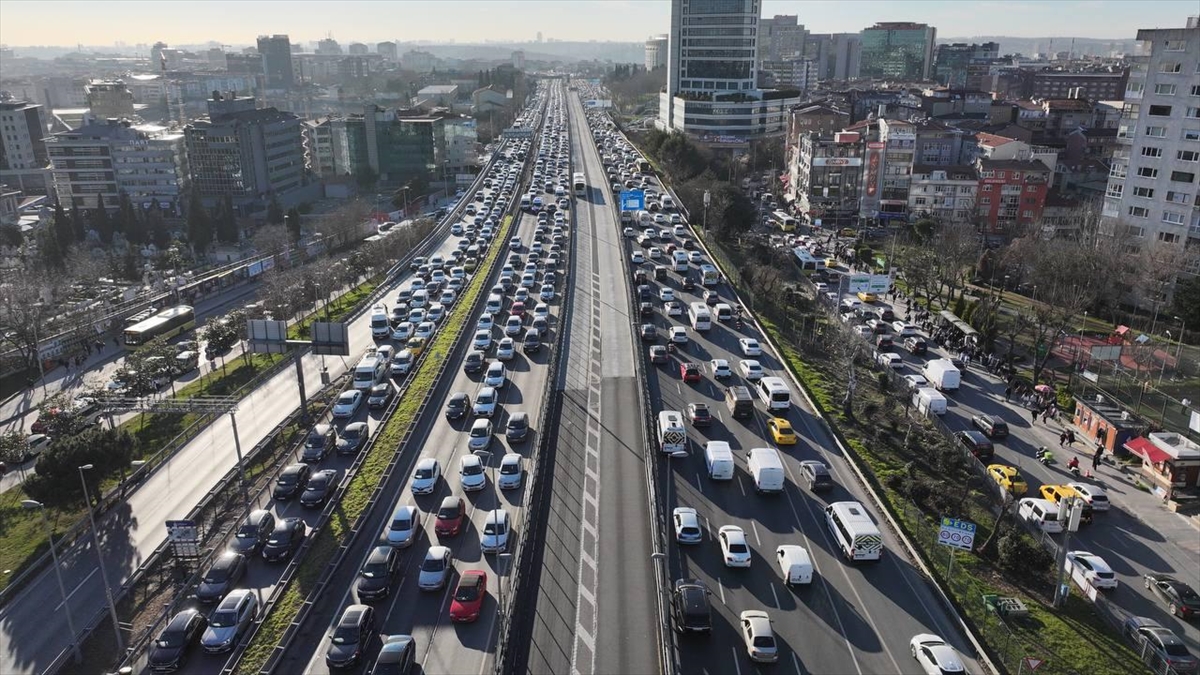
(1057, 493)
(848, 232)
(781, 431)
(867, 297)
(1009, 478)
(415, 345)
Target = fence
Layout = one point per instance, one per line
(1140, 395)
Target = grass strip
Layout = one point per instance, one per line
(357, 496)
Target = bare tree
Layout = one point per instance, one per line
(23, 315)
(919, 267)
(958, 246)
(270, 239)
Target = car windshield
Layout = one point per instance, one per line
(279, 538)
(433, 565)
(764, 642)
(472, 469)
(493, 528)
(353, 434)
(248, 531)
(345, 635)
(223, 618)
(737, 548)
(375, 570)
(448, 512)
(171, 639)
(509, 469)
(401, 523)
(466, 593)
(478, 432)
(425, 472)
(484, 398)
(318, 482)
(348, 397)
(289, 478)
(219, 573)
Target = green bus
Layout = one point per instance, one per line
(169, 322)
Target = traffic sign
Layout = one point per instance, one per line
(957, 533)
(633, 200)
(1033, 664)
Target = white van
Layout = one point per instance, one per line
(928, 400)
(381, 328)
(724, 312)
(494, 303)
(525, 202)
(419, 299)
(718, 457)
(672, 435)
(370, 371)
(766, 469)
(774, 393)
(1041, 512)
(854, 531)
(794, 564)
(679, 261)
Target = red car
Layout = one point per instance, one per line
(468, 597)
(450, 517)
(517, 309)
(690, 372)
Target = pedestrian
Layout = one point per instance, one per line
(1096, 457)
(1070, 437)
(116, 342)
(1008, 392)
(1062, 439)
(1035, 415)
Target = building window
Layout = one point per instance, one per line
(1115, 190)
(1138, 232)
(1176, 197)
(1183, 176)
(1143, 192)
(1188, 156)
(1191, 134)
(1156, 132)
(1148, 151)
(1195, 90)
(1139, 211)
(1168, 238)
(1175, 46)
(987, 188)
(1164, 89)
(985, 201)
(1027, 214)
(1147, 172)
(1031, 188)
(1168, 67)
(1172, 218)
(1193, 113)
(1160, 111)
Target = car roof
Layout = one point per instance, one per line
(450, 501)
(379, 554)
(426, 463)
(437, 551)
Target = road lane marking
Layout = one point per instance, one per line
(77, 587)
(699, 483)
(776, 594)
(796, 664)
(721, 590)
(736, 666)
(754, 526)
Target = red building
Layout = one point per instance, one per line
(1012, 193)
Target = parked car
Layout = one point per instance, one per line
(1182, 601)
(1161, 648)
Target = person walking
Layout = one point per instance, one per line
(1008, 392)
(1070, 438)
(1035, 415)
(1096, 458)
(1062, 439)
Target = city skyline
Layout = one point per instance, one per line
(475, 21)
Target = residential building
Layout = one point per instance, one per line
(353, 67)
(109, 99)
(24, 161)
(900, 141)
(489, 99)
(328, 47)
(946, 194)
(937, 145)
(436, 96)
(1064, 116)
(387, 50)
(319, 155)
(821, 118)
(780, 38)
(1094, 85)
(952, 61)
(94, 164)
(797, 73)
(418, 61)
(1012, 194)
(518, 59)
(656, 51)
(897, 51)
(246, 64)
(824, 181)
(837, 55)
(357, 49)
(277, 67)
(1153, 187)
(949, 103)
(247, 154)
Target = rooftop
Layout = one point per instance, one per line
(955, 172)
(436, 89)
(1012, 165)
(992, 140)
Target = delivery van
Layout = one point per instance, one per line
(739, 401)
(929, 401)
(766, 469)
(718, 457)
(370, 371)
(794, 564)
(672, 435)
(942, 375)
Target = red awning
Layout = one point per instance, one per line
(1145, 448)
(1121, 330)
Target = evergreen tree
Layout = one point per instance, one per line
(132, 223)
(102, 224)
(274, 212)
(199, 227)
(78, 227)
(52, 255)
(227, 227)
(293, 224)
(10, 235)
(156, 227)
(63, 230)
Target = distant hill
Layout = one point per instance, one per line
(617, 52)
(1031, 46)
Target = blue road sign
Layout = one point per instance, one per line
(633, 200)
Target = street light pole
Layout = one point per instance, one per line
(704, 225)
(112, 605)
(62, 589)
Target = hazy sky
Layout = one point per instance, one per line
(106, 22)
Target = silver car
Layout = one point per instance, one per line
(494, 537)
(405, 526)
(511, 472)
(481, 435)
(229, 621)
(435, 568)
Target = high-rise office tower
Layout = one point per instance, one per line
(276, 52)
(897, 51)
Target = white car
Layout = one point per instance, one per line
(485, 402)
(511, 471)
(629, 233)
(546, 293)
(347, 403)
(435, 568)
(1092, 494)
(750, 347)
(678, 335)
(674, 308)
(655, 253)
(495, 376)
(695, 258)
(666, 294)
(471, 473)
(720, 369)
(424, 330)
(935, 656)
(750, 369)
(405, 526)
(425, 476)
(403, 331)
(483, 339)
(541, 311)
(437, 312)
(506, 349)
(890, 360)
(493, 538)
(1089, 568)
(863, 331)
(637, 258)
(528, 280)
(416, 315)
(734, 548)
(448, 297)
(758, 636)
(916, 381)
(904, 329)
(485, 322)
(402, 362)
(513, 326)
(687, 525)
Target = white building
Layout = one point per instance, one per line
(656, 51)
(23, 158)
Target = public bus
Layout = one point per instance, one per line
(169, 323)
(784, 221)
(699, 316)
(709, 275)
(580, 185)
(807, 262)
(643, 166)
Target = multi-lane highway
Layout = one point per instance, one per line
(853, 618)
(33, 632)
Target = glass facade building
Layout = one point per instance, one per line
(897, 51)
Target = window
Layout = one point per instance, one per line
(1183, 176)
(1143, 192)
(1156, 132)
(1027, 214)
(1168, 238)
(1172, 218)
(1168, 67)
(1031, 188)
(1139, 211)
(1188, 156)
(987, 188)
(1147, 172)
(1175, 46)
(1195, 90)
(1115, 190)
(1193, 113)
(1164, 89)
(1149, 151)
(1191, 134)
(1160, 111)
(1117, 171)
(985, 201)
(1176, 197)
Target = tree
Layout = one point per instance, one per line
(57, 480)
(23, 313)
(64, 230)
(1187, 301)
(293, 225)
(156, 226)
(78, 227)
(227, 226)
(102, 223)
(131, 223)
(199, 227)
(270, 239)
(50, 252)
(11, 236)
(274, 212)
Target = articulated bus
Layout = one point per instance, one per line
(580, 185)
(169, 322)
(784, 221)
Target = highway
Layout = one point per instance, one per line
(443, 646)
(853, 618)
(33, 632)
(595, 610)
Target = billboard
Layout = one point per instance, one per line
(869, 283)
(837, 161)
(597, 103)
(872, 179)
(633, 200)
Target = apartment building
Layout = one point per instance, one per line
(947, 194)
(825, 173)
(1012, 194)
(23, 157)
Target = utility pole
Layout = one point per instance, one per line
(1069, 514)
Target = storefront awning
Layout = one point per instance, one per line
(1146, 449)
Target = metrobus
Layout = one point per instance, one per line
(699, 316)
(709, 275)
(167, 323)
(784, 221)
(580, 185)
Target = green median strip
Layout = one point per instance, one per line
(357, 495)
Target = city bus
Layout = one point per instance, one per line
(709, 275)
(807, 262)
(580, 185)
(169, 323)
(784, 221)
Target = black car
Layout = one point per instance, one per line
(375, 577)
(689, 284)
(690, 607)
(646, 308)
(916, 346)
(226, 571)
(292, 481)
(351, 637)
(518, 427)
(990, 425)
(353, 437)
(253, 532)
(977, 444)
(644, 293)
(457, 405)
(887, 314)
(288, 535)
(319, 489)
(1181, 600)
(396, 656)
(169, 650)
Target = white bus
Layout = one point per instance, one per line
(580, 185)
(709, 275)
(672, 435)
(807, 262)
(699, 316)
(854, 531)
(784, 221)
(774, 393)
